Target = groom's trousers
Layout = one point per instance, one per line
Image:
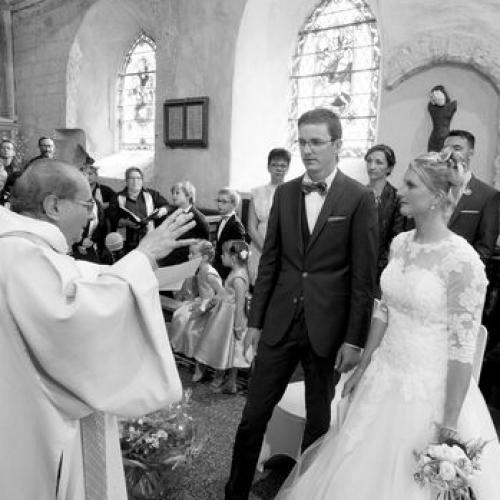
(274, 366)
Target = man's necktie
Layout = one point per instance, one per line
(93, 432)
(311, 187)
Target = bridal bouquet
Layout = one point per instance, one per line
(448, 467)
(155, 444)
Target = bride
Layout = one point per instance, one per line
(413, 385)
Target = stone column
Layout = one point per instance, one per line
(7, 95)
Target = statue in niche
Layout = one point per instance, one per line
(441, 109)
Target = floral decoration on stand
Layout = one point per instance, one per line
(154, 445)
(447, 468)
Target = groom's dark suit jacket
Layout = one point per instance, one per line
(476, 217)
(333, 274)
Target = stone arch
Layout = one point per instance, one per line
(430, 49)
(107, 30)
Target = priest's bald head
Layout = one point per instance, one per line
(56, 192)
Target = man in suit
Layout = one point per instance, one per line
(475, 216)
(229, 227)
(314, 292)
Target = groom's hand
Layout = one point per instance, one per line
(347, 357)
(251, 339)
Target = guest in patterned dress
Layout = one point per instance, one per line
(380, 161)
(278, 162)
(221, 343)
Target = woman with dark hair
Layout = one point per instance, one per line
(380, 160)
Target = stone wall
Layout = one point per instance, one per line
(67, 58)
(67, 55)
(43, 34)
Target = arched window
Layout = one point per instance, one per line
(336, 65)
(136, 96)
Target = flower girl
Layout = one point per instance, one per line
(189, 320)
(221, 344)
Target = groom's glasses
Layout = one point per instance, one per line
(313, 144)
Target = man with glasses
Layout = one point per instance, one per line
(136, 210)
(313, 295)
(79, 344)
(47, 150)
(229, 228)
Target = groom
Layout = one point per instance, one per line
(314, 292)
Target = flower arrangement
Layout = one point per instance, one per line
(448, 467)
(155, 444)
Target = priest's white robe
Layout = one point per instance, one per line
(75, 337)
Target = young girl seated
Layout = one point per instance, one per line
(221, 343)
(190, 319)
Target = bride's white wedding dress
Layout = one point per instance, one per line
(434, 296)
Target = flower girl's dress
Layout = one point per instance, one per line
(434, 296)
(189, 321)
(218, 346)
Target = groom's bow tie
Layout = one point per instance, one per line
(310, 187)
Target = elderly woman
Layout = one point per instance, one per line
(183, 197)
(278, 162)
(136, 209)
(380, 160)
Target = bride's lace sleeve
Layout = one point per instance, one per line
(465, 299)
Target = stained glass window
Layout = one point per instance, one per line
(336, 65)
(136, 96)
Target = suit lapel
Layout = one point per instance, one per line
(225, 226)
(462, 202)
(297, 209)
(332, 199)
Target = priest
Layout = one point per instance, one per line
(80, 343)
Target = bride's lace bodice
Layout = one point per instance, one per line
(434, 296)
(439, 286)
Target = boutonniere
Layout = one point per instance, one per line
(467, 191)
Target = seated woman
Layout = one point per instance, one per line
(136, 209)
(278, 162)
(91, 245)
(380, 160)
(184, 196)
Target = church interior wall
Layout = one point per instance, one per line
(477, 111)
(237, 52)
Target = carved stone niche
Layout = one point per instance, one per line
(430, 49)
(8, 119)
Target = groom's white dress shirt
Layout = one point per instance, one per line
(314, 201)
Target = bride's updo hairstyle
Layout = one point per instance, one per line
(440, 172)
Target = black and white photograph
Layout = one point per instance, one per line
(249, 250)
